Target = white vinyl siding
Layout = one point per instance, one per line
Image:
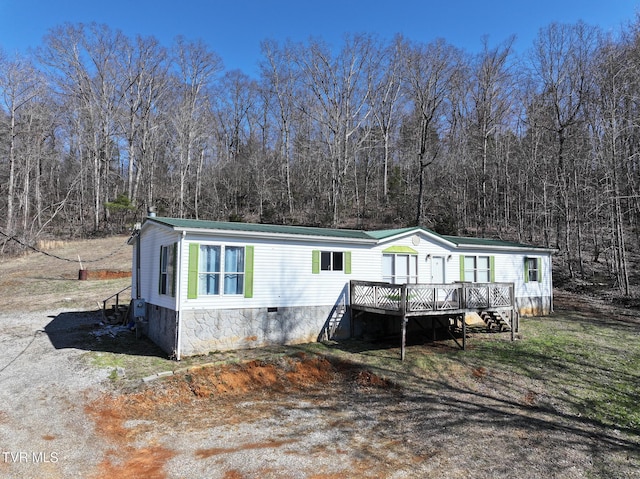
(282, 270)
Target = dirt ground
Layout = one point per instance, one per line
(343, 410)
(42, 281)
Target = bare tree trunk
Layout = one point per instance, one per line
(12, 168)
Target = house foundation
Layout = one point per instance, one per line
(203, 331)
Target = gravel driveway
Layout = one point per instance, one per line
(44, 430)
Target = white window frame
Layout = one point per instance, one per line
(329, 260)
(393, 276)
(472, 271)
(167, 266)
(223, 271)
(533, 271)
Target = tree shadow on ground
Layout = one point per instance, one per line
(87, 330)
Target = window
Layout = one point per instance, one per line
(221, 266)
(477, 269)
(531, 270)
(209, 270)
(167, 270)
(330, 261)
(233, 270)
(400, 268)
(218, 270)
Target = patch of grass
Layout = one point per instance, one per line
(104, 360)
(135, 366)
(589, 365)
(586, 366)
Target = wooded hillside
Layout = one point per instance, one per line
(539, 146)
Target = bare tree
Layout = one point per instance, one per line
(196, 68)
(428, 72)
(561, 62)
(145, 65)
(20, 84)
(384, 100)
(340, 92)
(614, 125)
(280, 81)
(83, 61)
(491, 96)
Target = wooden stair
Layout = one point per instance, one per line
(334, 320)
(496, 320)
(117, 314)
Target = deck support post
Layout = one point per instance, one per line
(464, 331)
(404, 338)
(513, 325)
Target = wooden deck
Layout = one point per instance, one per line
(451, 299)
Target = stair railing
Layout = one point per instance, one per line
(115, 295)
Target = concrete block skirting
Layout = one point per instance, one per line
(203, 331)
(161, 327)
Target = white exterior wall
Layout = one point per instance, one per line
(509, 268)
(151, 240)
(426, 248)
(283, 272)
(282, 275)
(532, 298)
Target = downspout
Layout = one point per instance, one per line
(179, 297)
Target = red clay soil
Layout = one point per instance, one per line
(147, 462)
(178, 398)
(107, 274)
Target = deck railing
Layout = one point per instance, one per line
(431, 298)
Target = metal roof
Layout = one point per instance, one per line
(261, 228)
(467, 241)
(334, 233)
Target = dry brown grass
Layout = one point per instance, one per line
(40, 282)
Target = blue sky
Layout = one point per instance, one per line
(234, 28)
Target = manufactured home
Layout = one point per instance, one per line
(202, 286)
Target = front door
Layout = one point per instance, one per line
(437, 276)
(437, 269)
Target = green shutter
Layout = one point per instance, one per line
(192, 282)
(461, 267)
(248, 271)
(315, 261)
(175, 269)
(526, 269)
(347, 262)
(492, 269)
